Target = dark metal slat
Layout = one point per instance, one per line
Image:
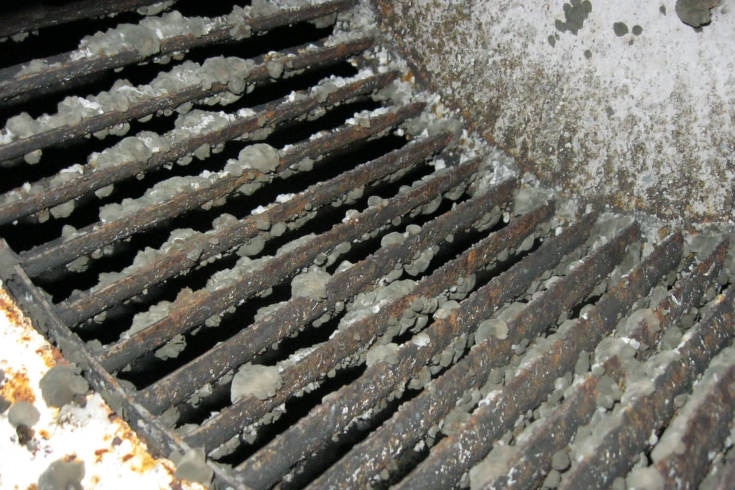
(45, 15)
(348, 342)
(455, 454)
(702, 425)
(199, 306)
(33, 301)
(363, 464)
(623, 440)
(69, 69)
(314, 431)
(94, 236)
(536, 450)
(209, 244)
(294, 60)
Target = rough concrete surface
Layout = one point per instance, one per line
(619, 102)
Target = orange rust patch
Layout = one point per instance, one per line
(95, 479)
(32, 486)
(17, 387)
(13, 313)
(99, 453)
(50, 355)
(44, 434)
(140, 459)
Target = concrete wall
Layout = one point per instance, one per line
(616, 101)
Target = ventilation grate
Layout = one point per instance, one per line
(257, 239)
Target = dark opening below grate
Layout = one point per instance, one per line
(255, 237)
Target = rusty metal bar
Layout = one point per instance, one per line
(347, 342)
(180, 384)
(314, 431)
(642, 411)
(92, 237)
(20, 202)
(207, 245)
(199, 306)
(40, 16)
(362, 465)
(702, 426)
(294, 60)
(455, 454)
(724, 478)
(536, 449)
(71, 68)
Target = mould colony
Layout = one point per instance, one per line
(587, 97)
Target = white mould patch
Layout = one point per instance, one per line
(259, 156)
(311, 284)
(256, 380)
(387, 353)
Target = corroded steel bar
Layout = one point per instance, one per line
(229, 355)
(294, 60)
(203, 304)
(46, 15)
(209, 244)
(536, 449)
(21, 202)
(701, 426)
(348, 342)
(455, 454)
(88, 239)
(724, 479)
(362, 465)
(644, 411)
(68, 69)
(314, 431)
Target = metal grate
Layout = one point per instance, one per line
(257, 239)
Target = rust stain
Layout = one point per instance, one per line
(99, 453)
(139, 460)
(44, 434)
(17, 387)
(49, 354)
(15, 316)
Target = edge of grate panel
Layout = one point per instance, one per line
(33, 302)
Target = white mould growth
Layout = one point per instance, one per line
(420, 262)
(672, 441)
(231, 71)
(370, 302)
(387, 353)
(61, 385)
(256, 380)
(259, 156)
(492, 327)
(143, 38)
(147, 318)
(311, 284)
(198, 122)
(155, 8)
(527, 199)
